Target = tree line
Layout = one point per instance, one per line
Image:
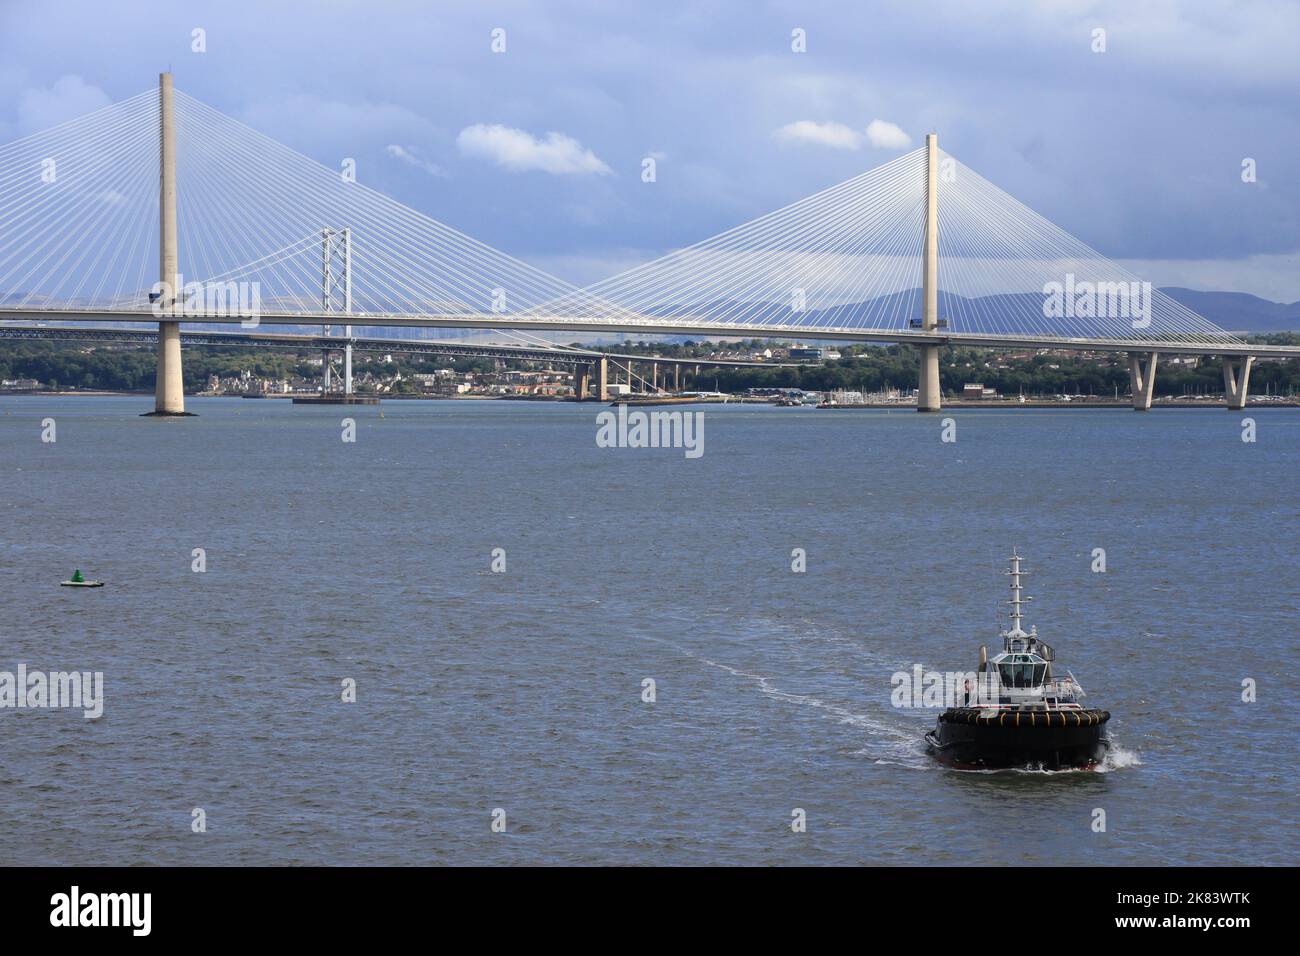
(862, 368)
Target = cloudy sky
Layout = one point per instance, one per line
(539, 149)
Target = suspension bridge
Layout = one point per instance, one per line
(921, 251)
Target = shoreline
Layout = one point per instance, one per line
(738, 400)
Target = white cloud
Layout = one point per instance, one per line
(879, 133)
(410, 156)
(518, 151)
(835, 135)
(885, 135)
(69, 98)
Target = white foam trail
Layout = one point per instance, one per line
(767, 687)
(889, 743)
(898, 739)
(1118, 758)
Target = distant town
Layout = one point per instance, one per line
(798, 374)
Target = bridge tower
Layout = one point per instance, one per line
(169, 392)
(928, 397)
(335, 243)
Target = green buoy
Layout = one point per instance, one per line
(77, 581)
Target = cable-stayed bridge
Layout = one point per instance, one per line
(238, 228)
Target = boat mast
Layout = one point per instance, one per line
(1016, 601)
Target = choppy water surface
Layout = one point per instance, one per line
(522, 690)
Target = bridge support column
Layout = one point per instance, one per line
(602, 379)
(169, 385)
(654, 375)
(677, 376)
(928, 393)
(1236, 380)
(581, 382)
(1142, 378)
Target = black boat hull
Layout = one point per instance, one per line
(1059, 740)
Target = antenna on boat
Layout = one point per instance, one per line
(1016, 600)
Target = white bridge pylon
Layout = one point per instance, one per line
(79, 206)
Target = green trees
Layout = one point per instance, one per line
(867, 368)
(864, 368)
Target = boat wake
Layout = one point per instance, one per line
(899, 745)
(844, 715)
(1119, 758)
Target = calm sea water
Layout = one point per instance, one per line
(522, 690)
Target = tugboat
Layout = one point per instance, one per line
(1019, 713)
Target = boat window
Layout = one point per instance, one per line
(1019, 671)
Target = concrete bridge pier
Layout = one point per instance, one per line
(1142, 378)
(602, 379)
(581, 382)
(1236, 380)
(928, 393)
(169, 386)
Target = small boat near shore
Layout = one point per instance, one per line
(690, 398)
(1020, 712)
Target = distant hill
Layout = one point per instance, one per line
(1240, 311)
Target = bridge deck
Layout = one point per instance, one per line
(559, 355)
(663, 326)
